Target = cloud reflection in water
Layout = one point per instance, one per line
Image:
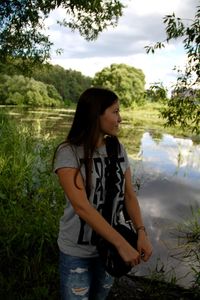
(168, 177)
(171, 156)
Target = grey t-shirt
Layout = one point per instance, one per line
(76, 237)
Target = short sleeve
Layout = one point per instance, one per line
(65, 158)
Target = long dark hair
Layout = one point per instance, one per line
(85, 126)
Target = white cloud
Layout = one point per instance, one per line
(141, 25)
(181, 156)
(143, 7)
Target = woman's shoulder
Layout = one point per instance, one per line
(67, 155)
(68, 150)
(67, 147)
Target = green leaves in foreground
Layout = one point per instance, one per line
(183, 109)
(22, 25)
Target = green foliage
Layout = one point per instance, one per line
(156, 93)
(13, 67)
(177, 27)
(20, 90)
(92, 17)
(31, 205)
(128, 83)
(20, 32)
(22, 24)
(69, 83)
(183, 108)
(188, 233)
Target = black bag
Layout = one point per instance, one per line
(111, 259)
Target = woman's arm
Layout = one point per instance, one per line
(78, 198)
(134, 212)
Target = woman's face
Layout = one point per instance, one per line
(110, 119)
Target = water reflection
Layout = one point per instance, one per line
(171, 156)
(54, 122)
(168, 177)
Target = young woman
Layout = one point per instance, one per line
(81, 165)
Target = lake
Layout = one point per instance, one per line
(168, 176)
(166, 173)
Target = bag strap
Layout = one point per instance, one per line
(110, 175)
(113, 150)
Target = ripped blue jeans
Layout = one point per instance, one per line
(83, 278)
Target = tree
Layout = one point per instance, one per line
(22, 24)
(69, 83)
(184, 106)
(128, 82)
(20, 90)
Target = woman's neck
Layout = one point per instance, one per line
(100, 142)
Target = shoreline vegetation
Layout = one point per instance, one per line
(32, 203)
(132, 287)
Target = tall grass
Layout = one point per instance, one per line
(188, 233)
(31, 205)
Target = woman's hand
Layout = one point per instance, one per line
(144, 245)
(130, 255)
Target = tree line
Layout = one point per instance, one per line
(48, 85)
(52, 86)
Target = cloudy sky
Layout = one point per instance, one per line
(140, 25)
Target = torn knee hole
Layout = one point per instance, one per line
(107, 286)
(80, 291)
(79, 270)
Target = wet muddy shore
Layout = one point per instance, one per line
(139, 288)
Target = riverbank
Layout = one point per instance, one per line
(132, 287)
(29, 253)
